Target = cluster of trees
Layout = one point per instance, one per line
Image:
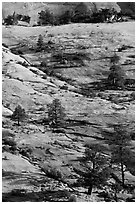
(103, 15)
(48, 18)
(97, 166)
(116, 78)
(14, 18)
(56, 114)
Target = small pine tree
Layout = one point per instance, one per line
(19, 114)
(114, 59)
(40, 41)
(116, 77)
(56, 114)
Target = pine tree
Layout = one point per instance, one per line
(19, 114)
(119, 142)
(96, 168)
(56, 114)
(116, 77)
(40, 41)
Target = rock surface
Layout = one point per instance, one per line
(6, 111)
(43, 149)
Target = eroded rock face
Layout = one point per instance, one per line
(18, 82)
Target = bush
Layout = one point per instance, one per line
(40, 42)
(65, 87)
(9, 141)
(9, 20)
(18, 192)
(6, 148)
(133, 95)
(53, 173)
(26, 151)
(43, 64)
(65, 18)
(9, 145)
(46, 18)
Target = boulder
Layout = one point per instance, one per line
(8, 57)
(32, 127)
(23, 23)
(17, 164)
(7, 133)
(6, 111)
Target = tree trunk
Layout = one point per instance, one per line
(90, 190)
(123, 175)
(18, 121)
(115, 196)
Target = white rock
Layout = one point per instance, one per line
(32, 127)
(7, 56)
(6, 111)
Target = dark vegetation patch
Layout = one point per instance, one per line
(46, 195)
(8, 142)
(131, 56)
(125, 47)
(26, 150)
(53, 173)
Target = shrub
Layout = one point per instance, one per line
(65, 18)
(114, 59)
(53, 173)
(40, 42)
(9, 144)
(9, 20)
(43, 64)
(8, 141)
(133, 95)
(26, 151)
(65, 87)
(6, 148)
(45, 18)
(18, 192)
